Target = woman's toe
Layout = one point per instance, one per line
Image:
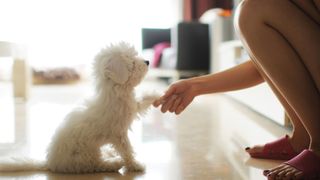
(281, 173)
(298, 175)
(290, 174)
(255, 149)
(274, 173)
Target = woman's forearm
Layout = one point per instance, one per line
(239, 77)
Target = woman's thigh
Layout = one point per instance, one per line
(310, 8)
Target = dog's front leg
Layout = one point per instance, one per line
(146, 102)
(124, 149)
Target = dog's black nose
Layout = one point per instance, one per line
(147, 63)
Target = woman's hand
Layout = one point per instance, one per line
(178, 96)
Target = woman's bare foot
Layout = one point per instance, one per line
(285, 171)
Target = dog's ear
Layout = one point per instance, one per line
(116, 70)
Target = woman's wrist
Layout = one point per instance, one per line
(197, 85)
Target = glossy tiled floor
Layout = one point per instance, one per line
(204, 142)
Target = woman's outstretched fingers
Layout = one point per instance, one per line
(173, 99)
(156, 103)
(163, 99)
(176, 98)
(184, 103)
(159, 101)
(169, 92)
(176, 104)
(168, 103)
(180, 108)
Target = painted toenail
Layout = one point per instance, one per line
(247, 148)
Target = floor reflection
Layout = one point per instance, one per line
(205, 142)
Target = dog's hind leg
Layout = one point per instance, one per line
(109, 165)
(124, 149)
(83, 158)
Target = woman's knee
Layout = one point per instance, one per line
(248, 13)
(262, 10)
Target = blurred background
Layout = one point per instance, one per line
(70, 32)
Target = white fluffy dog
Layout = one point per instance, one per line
(104, 119)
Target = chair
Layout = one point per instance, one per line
(192, 41)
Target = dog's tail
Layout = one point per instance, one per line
(22, 164)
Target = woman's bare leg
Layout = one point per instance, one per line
(285, 42)
(299, 139)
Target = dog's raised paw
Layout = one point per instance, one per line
(149, 99)
(146, 101)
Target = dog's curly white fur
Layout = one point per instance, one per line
(104, 119)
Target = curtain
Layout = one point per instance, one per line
(193, 9)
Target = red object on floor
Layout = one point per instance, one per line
(280, 149)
